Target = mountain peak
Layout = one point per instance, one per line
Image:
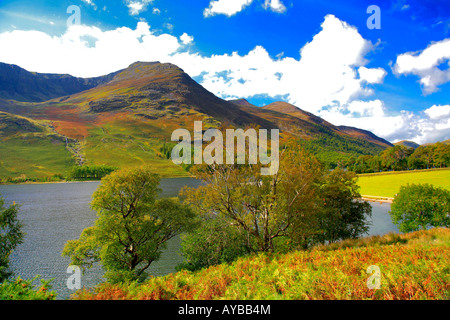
(139, 70)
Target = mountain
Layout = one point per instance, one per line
(292, 110)
(408, 144)
(366, 135)
(127, 118)
(19, 84)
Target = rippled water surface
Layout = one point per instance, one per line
(55, 213)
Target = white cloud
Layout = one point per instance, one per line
(432, 126)
(72, 53)
(231, 7)
(326, 73)
(275, 5)
(431, 65)
(226, 7)
(186, 39)
(374, 108)
(137, 6)
(374, 75)
(438, 112)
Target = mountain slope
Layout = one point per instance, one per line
(408, 144)
(292, 110)
(19, 84)
(31, 149)
(128, 120)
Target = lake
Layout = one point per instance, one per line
(56, 212)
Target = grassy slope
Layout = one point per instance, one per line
(129, 142)
(387, 184)
(29, 147)
(413, 266)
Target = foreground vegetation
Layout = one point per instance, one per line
(387, 184)
(412, 266)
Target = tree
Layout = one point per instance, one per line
(215, 241)
(421, 206)
(396, 158)
(441, 156)
(11, 235)
(344, 213)
(264, 207)
(132, 228)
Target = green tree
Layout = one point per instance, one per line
(344, 214)
(441, 156)
(133, 225)
(396, 158)
(420, 206)
(11, 235)
(265, 207)
(215, 241)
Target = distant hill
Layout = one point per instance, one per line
(127, 117)
(307, 116)
(408, 144)
(19, 84)
(366, 135)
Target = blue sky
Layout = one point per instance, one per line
(319, 55)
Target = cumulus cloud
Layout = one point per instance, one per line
(431, 126)
(86, 51)
(186, 39)
(374, 75)
(432, 65)
(438, 112)
(231, 7)
(275, 5)
(137, 6)
(226, 7)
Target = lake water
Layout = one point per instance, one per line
(55, 213)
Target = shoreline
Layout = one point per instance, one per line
(75, 181)
(377, 199)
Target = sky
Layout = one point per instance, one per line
(382, 66)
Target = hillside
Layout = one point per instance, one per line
(331, 144)
(30, 148)
(408, 144)
(19, 84)
(126, 117)
(412, 266)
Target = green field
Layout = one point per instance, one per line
(387, 184)
(33, 156)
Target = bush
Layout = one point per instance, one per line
(24, 290)
(214, 242)
(421, 206)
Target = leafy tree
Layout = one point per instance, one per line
(215, 241)
(421, 206)
(344, 213)
(441, 156)
(396, 158)
(11, 235)
(91, 172)
(265, 207)
(132, 228)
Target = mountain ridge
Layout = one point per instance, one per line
(19, 84)
(129, 115)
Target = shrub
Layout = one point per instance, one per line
(421, 206)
